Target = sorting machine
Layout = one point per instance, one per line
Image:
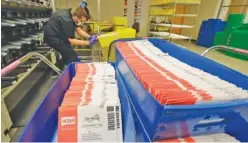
(27, 62)
(25, 75)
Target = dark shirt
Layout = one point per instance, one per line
(61, 25)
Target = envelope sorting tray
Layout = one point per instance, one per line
(169, 121)
(43, 125)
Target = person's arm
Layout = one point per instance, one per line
(82, 33)
(79, 42)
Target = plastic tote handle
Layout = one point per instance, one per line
(237, 50)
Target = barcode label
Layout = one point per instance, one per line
(117, 108)
(110, 108)
(111, 117)
(111, 121)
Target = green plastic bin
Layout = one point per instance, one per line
(236, 55)
(235, 35)
(220, 38)
(234, 21)
(244, 26)
(238, 39)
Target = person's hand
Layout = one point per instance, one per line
(92, 40)
(93, 36)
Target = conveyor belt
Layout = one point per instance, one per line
(19, 97)
(33, 98)
(22, 77)
(23, 97)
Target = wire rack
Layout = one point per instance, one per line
(168, 34)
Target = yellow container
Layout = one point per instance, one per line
(162, 28)
(158, 2)
(106, 39)
(120, 23)
(160, 11)
(164, 2)
(104, 25)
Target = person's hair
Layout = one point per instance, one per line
(87, 11)
(136, 26)
(80, 12)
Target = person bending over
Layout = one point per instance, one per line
(59, 33)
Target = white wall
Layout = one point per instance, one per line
(130, 11)
(109, 8)
(224, 10)
(144, 17)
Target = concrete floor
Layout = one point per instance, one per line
(236, 64)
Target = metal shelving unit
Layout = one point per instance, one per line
(137, 10)
(173, 25)
(178, 15)
(169, 35)
(125, 8)
(222, 5)
(22, 41)
(28, 3)
(169, 5)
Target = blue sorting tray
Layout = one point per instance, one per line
(169, 121)
(208, 30)
(43, 125)
(141, 134)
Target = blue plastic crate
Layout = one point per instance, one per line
(214, 25)
(169, 121)
(203, 27)
(205, 40)
(43, 125)
(208, 30)
(141, 133)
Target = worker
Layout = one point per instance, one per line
(59, 33)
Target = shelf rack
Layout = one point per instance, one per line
(22, 34)
(42, 4)
(125, 8)
(137, 10)
(222, 5)
(169, 5)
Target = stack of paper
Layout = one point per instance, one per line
(171, 81)
(90, 110)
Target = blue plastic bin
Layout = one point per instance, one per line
(169, 121)
(43, 125)
(205, 40)
(214, 25)
(208, 30)
(203, 27)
